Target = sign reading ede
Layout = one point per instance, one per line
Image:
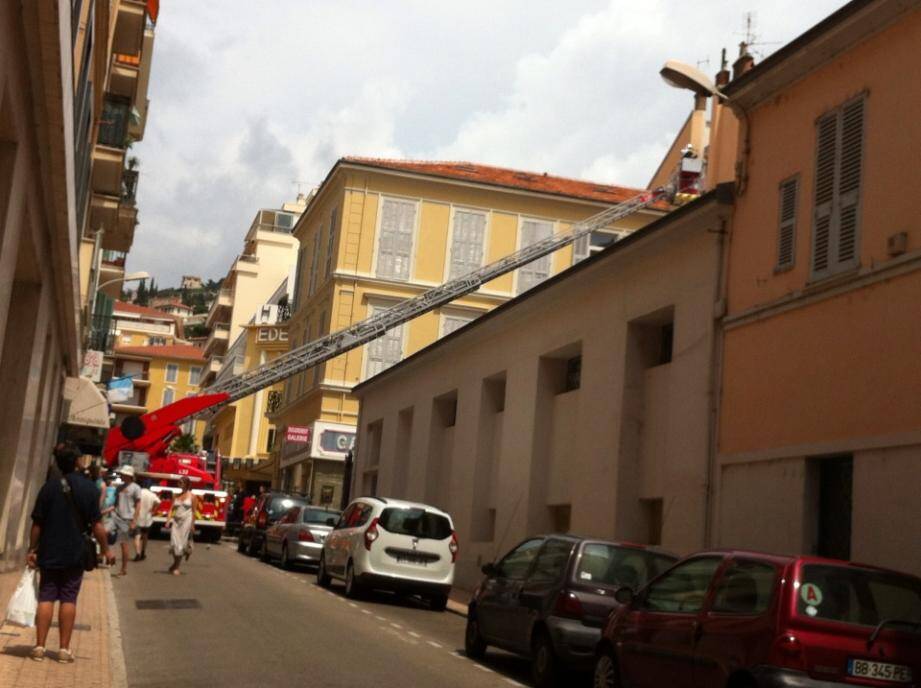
(266, 335)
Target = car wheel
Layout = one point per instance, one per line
(285, 562)
(352, 586)
(474, 645)
(544, 664)
(438, 603)
(323, 579)
(241, 545)
(606, 675)
(264, 551)
(253, 549)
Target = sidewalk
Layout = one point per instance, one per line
(458, 601)
(99, 662)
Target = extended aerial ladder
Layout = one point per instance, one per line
(164, 424)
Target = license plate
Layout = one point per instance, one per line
(879, 671)
(411, 560)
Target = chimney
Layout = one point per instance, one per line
(722, 76)
(744, 63)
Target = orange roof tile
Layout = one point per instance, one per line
(184, 351)
(126, 307)
(540, 182)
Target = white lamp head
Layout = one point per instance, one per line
(681, 75)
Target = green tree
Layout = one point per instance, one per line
(184, 444)
(143, 296)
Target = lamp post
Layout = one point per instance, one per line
(130, 277)
(94, 292)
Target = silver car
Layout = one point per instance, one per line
(298, 536)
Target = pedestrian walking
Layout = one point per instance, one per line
(125, 516)
(181, 524)
(149, 503)
(67, 506)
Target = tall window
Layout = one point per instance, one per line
(331, 240)
(314, 262)
(536, 271)
(172, 372)
(194, 375)
(169, 396)
(450, 323)
(839, 158)
(299, 276)
(467, 242)
(395, 243)
(786, 232)
(384, 351)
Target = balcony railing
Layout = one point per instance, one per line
(113, 129)
(129, 186)
(102, 335)
(248, 258)
(284, 312)
(274, 402)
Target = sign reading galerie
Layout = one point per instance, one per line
(297, 434)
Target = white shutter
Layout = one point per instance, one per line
(787, 223)
(581, 248)
(452, 323)
(395, 244)
(538, 270)
(467, 242)
(384, 351)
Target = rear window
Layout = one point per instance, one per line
(319, 517)
(415, 522)
(618, 566)
(278, 506)
(858, 596)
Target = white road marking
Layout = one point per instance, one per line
(458, 655)
(353, 605)
(365, 611)
(512, 682)
(414, 634)
(433, 643)
(396, 625)
(482, 668)
(379, 618)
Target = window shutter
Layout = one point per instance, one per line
(581, 248)
(467, 242)
(826, 159)
(787, 228)
(331, 240)
(851, 158)
(395, 244)
(535, 272)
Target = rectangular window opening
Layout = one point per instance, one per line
(835, 478)
(560, 516)
(652, 517)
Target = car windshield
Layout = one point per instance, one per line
(415, 522)
(279, 506)
(863, 597)
(319, 517)
(618, 566)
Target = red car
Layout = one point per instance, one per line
(751, 620)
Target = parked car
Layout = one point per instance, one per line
(387, 544)
(549, 598)
(298, 536)
(269, 507)
(752, 620)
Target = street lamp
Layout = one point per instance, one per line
(130, 277)
(91, 300)
(681, 75)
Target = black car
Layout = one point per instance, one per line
(269, 507)
(549, 597)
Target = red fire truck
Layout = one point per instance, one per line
(211, 518)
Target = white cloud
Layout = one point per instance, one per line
(243, 102)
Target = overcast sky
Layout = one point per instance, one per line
(248, 97)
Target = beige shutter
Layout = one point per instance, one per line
(787, 223)
(826, 162)
(851, 158)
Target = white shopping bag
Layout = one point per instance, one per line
(24, 602)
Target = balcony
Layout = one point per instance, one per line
(129, 27)
(123, 79)
(214, 365)
(220, 307)
(217, 340)
(112, 267)
(246, 262)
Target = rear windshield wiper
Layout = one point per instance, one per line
(890, 622)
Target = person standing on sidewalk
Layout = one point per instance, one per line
(149, 503)
(56, 547)
(127, 510)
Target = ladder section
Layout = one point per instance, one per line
(328, 347)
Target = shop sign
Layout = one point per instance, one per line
(337, 441)
(268, 335)
(297, 434)
(92, 365)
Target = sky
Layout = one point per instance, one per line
(246, 98)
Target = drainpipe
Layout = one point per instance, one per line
(96, 264)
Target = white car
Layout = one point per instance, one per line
(387, 544)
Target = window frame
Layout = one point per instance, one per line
(722, 577)
(543, 550)
(453, 315)
(705, 600)
(196, 382)
(780, 265)
(373, 306)
(530, 567)
(166, 373)
(331, 237)
(172, 393)
(378, 236)
(449, 248)
(522, 219)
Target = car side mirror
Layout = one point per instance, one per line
(331, 522)
(624, 595)
(490, 569)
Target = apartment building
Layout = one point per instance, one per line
(49, 79)
(820, 429)
(160, 374)
(269, 257)
(241, 432)
(380, 231)
(583, 405)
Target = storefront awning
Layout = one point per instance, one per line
(84, 404)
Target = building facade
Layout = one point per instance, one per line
(583, 405)
(160, 375)
(820, 429)
(381, 231)
(269, 257)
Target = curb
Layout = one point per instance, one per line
(458, 608)
(117, 669)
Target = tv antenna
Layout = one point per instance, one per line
(751, 37)
(300, 183)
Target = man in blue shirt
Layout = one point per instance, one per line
(56, 546)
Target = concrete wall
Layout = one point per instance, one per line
(540, 458)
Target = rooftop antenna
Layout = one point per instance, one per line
(705, 61)
(751, 37)
(300, 183)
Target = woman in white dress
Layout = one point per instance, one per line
(181, 522)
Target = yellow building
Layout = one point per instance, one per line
(240, 432)
(380, 231)
(161, 375)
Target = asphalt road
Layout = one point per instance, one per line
(256, 625)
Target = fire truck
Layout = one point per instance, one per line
(166, 472)
(153, 431)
